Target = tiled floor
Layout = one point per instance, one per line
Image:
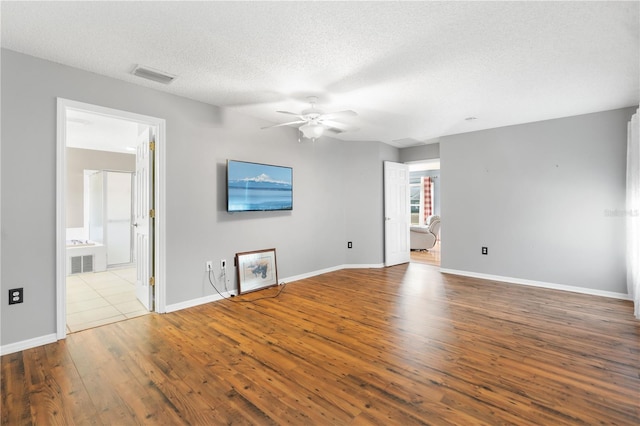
(99, 298)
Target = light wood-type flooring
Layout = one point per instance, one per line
(404, 345)
(428, 257)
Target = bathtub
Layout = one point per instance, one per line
(85, 256)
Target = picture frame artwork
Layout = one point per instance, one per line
(256, 270)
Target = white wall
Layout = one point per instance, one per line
(537, 196)
(200, 138)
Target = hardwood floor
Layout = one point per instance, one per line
(400, 345)
(428, 257)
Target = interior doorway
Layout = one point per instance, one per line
(424, 186)
(102, 267)
(103, 274)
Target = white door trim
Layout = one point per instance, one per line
(61, 182)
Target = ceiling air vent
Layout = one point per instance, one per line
(154, 75)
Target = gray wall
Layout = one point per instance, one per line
(364, 203)
(79, 160)
(537, 196)
(200, 138)
(422, 152)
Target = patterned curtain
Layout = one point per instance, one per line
(428, 203)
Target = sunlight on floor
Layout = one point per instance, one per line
(420, 308)
(430, 257)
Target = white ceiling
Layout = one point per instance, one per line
(412, 70)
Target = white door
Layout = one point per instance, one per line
(397, 213)
(143, 222)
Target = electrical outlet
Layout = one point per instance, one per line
(223, 263)
(16, 295)
(349, 244)
(209, 265)
(485, 250)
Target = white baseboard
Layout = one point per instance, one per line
(332, 269)
(541, 284)
(28, 344)
(215, 297)
(195, 302)
(309, 274)
(358, 266)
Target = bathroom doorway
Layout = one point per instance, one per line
(106, 278)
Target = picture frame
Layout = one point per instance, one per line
(256, 270)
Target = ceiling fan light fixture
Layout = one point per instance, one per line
(312, 130)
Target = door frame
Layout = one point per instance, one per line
(159, 124)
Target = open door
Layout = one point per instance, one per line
(144, 219)
(397, 214)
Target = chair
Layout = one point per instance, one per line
(425, 237)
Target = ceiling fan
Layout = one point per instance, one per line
(314, 122)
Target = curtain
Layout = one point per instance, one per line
(427, 207)
(633, 211)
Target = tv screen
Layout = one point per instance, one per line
(258, 187)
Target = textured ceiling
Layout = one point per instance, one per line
(413, 71)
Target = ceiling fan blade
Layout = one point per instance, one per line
(346, 113)
(290, 113)
(337, 125)
(284, 124)
(337, 131)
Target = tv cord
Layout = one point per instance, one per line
(232, 298)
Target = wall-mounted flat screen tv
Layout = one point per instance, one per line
(258, 187)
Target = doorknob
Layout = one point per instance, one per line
(135, 224)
